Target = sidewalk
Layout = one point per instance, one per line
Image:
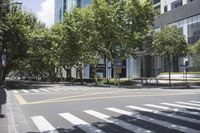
(3, 115)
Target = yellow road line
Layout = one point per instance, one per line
(77, 96)
(106, 97)
(20, 99)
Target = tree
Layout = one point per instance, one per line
(169, 43)
(17, 26)
(195, 53)
(121, 27)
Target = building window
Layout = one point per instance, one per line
(78, 3)
(64, 6)
(176, 4)
(165, 8)
(193, 32)
(156, 1)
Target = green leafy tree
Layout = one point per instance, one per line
(169, 43)
(121, 27)
(17, 26)
(195, 53)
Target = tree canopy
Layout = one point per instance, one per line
(169, 43)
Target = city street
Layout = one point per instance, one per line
(60, 108)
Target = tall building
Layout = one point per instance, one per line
(185, 14)
(62, 6)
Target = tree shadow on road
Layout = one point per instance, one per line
(137, 120)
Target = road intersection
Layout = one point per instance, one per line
(78, 109)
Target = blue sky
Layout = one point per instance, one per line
(43, 9)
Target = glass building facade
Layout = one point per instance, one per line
(185, 14)
(62, 6)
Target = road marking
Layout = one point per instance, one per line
(154, 121)
(67, 99)
(20, 99)
(156, 106)
(25, 91)
(195, 101)
(34, 90)
(45, 90)
(118, 122)
(165, 114)
(15, 91)
(53, 89)
(175, 110)
(42, 124)
(182, 106)
(193, 104)
(80, 123)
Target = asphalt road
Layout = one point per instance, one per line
(57, 108)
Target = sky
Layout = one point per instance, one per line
(43, 9)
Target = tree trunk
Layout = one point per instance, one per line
(169, 60)
(80, 73)
(95, 74)
(115, 75)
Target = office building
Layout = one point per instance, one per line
(185, 14)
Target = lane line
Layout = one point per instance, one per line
(80, 123)
(182, 106)
(172, 109)
(166, 114)
(154, 121)
(67, 99)
(42, 124)
(34, 90)
(118, 122)
(192, 104)
(25, 91)
(20, 99)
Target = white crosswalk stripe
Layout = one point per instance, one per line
(118, 122)
(15, 91)
(157, 106)
(34, 90)
(45, 90)
(192, 104)
(165, 114)
(158, 122)
(195, 101)
(53, 89)
(175, 110)
(25, 91)
(80, 123)
(42, 124)
(182, 106)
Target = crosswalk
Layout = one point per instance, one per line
(55, 89)
(166, 117)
